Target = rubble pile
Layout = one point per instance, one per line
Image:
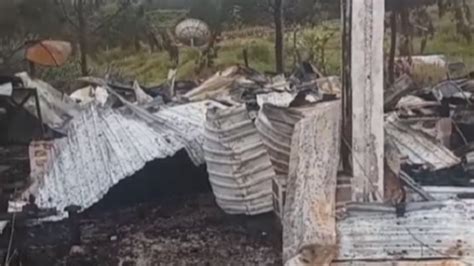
(107, 131)
(270, 144)
(431, 129)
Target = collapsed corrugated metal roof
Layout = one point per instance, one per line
(238, 164)
(429, 231)
(276, 126)
(104, 146)
(57, 109)
(420, 148)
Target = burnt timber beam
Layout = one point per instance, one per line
(367, 83)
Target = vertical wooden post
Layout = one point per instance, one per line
(367, 38)
(346, 9)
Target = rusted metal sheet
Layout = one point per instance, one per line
(428, 231)
(310, 210)
(420, 148)
(238, 164)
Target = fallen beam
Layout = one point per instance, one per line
(309, 220)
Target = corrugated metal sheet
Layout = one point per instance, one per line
(420, 148)
(57, 109)
(427, 232)
(443, 262)
(442, 193)
(238, 164)
(276, 125)
(104, 146)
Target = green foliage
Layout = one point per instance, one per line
(70, 71)
(321, 45)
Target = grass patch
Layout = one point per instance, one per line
(152, 68)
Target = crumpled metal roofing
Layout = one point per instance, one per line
(428, 231)
(239, 167)
(104, 146)
(57, 109)
(276, 125)
(420, 148)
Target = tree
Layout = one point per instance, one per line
(209, 11)
(407, 18)
(84, 18)
(279, 35)
(276, 9)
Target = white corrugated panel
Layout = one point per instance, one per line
(57, 108)
(276, 125)
(104, 146)
(238, 164)
(420, 148)
(426, 232)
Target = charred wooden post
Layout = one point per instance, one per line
(246, 57)
(367, 82)
(74, 224)
(346, 86)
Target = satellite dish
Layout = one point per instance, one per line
(193, 32)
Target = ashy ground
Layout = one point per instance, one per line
(185, 231)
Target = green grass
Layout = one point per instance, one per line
(152, 68)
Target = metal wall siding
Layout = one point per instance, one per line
(239, 167)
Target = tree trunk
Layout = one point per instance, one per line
(279, 38)
(406, 48)
(393, 47)
(136, 43)
(82, 37)
(462, 22)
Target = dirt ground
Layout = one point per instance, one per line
(189, 230)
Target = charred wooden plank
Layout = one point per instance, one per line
(310, 210)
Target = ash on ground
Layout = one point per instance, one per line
(189, 230)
